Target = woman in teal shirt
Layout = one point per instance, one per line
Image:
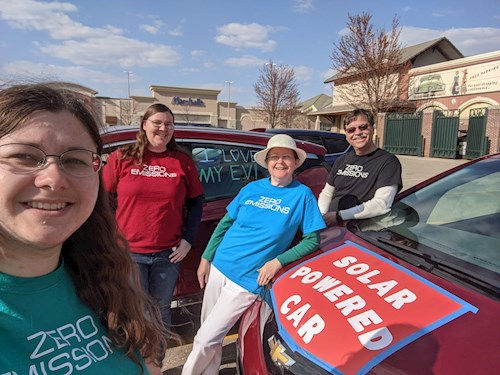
(68, 300)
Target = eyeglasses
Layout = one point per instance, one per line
(282, 157)
(158, 124)
(362, 128)
(24, 159)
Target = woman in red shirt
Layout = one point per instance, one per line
(159, 200)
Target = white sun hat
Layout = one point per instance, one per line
(280, 140)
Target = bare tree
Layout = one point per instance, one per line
(127, 111)
(370, 69)
(186, 115)
(277, 94)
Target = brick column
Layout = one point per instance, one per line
(379, 131)
(493, 128)
(427, 132)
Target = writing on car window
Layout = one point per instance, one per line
(225, 169)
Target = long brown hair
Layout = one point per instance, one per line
(96, 256)
(136, 150)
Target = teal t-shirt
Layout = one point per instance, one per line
(266, 220)
(46, 329)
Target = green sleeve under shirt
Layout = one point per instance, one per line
(217, 236)
(307, 245)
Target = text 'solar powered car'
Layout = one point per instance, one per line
(415, 291)
(224, 160)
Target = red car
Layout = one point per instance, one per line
(415, 291)
(224, 160)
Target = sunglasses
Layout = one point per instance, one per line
(362, 128)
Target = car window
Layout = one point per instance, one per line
(455, 220)
(465, 222)
(309, 138)
(334, 145)
(480, 196)
(225, 169)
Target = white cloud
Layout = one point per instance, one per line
(113, 50)
(178, 31)
(27, 70)
(303, 73)
(242, 36)
(303, 6)
(444, 13)
(329, 73)
(149, 28)
(153, 27)
(470, 41)
(343, 31)
(191, 70)
(81, 44)
(197, 53)
(208, 64)
(50, 18)
(244, 61)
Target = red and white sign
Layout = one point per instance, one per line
(348, 309)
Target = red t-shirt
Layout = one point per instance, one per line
(151, 197)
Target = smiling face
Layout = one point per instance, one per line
(159, 129)
(359, 133)
(40, 210)
(281, 163)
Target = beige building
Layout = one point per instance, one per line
(199, 107)
(420, 55)
(459, 85)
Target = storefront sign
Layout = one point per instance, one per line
(349, 309)
(474, 79)
(194, 102)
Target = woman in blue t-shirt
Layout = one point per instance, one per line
(250, 245)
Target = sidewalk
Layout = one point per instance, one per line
(416, 169)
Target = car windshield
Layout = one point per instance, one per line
(451, 225)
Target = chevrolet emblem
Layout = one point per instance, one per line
(278, 354)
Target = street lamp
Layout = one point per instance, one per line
(129, 100)
(228, 103)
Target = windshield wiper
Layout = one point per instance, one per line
(438, 266)
(403, 250)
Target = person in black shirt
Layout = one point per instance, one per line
(362, 184)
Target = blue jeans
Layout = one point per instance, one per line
(158, 278)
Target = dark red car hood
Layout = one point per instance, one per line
(366, 311)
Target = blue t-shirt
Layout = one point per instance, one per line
(266, 220)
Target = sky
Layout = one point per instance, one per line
(117, 46)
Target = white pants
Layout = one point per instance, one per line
(223, 304)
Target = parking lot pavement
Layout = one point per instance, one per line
(416, 169)
(188, 320)
(177, 356)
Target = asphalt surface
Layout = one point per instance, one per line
(414, 170)
(187, 320)
(417, 169)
